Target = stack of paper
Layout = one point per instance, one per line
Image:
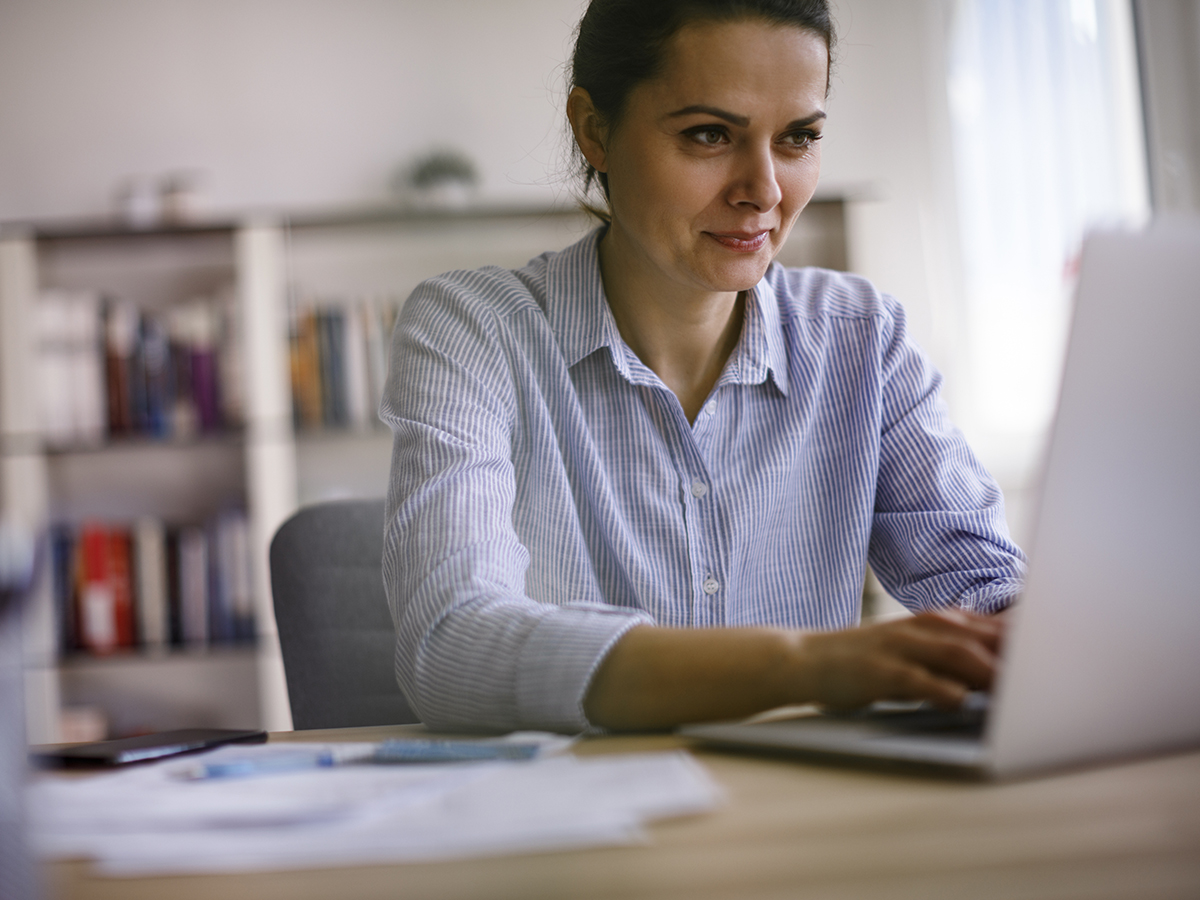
(153, 820)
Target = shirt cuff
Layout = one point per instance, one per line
(992, 598)
(560, 658)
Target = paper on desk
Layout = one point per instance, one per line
(148, 821)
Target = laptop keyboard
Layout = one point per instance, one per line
(924, 718)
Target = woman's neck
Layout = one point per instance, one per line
(684, 336)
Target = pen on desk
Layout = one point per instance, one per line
(386, 752)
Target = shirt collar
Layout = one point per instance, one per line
(761, 349)
(577, 309)
(579, 314)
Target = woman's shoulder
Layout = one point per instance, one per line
(487, 291)
(815, 293)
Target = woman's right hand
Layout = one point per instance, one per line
(938, 656)
(661, 677)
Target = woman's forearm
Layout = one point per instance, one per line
(662, 677)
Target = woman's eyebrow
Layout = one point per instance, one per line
(735, 119)
(731, 118)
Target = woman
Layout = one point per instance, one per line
(636, 483)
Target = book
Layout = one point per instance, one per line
(121, 325)
(376, 338)
(120, 574)
(69, 367)
(204, 367)
(193, 585)
(62, 558)
(230, 361)
(89, 404)
(306, 369)
(150, 542)
(356, 380)
(184, 416)
(152, 379)
(105, 613)
(53, 349)
(339, 361)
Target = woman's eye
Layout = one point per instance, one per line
(709, 137)
(801, 138)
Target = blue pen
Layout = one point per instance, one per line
(245, 766)
(415, 750)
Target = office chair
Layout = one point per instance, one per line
(335, 630)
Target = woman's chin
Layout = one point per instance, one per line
(741, 274)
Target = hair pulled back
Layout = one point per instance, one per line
(620, 44)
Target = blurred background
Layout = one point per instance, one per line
(211, 211)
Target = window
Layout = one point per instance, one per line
(1048, 143)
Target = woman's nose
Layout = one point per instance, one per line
(755, 183)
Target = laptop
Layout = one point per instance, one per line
(1102, 659)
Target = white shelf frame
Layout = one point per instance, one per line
(269, 452)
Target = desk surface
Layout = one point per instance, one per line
(797, 829)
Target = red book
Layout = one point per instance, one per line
(97, 614)
(105, 614)
(120, 545)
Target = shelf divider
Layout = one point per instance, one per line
(270, 446)
(23, 480)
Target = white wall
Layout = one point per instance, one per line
(888, 147)
(293, 103)
(310, 103)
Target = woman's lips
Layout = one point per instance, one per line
(740, 241)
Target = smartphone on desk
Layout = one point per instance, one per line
(142, 748)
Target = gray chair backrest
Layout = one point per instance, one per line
(335, 630)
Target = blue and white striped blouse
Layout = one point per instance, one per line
(548, 493)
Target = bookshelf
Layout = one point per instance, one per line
(261, 462)
(62, 481)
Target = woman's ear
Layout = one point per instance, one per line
(588, 126)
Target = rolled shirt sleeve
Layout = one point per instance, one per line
(939, 536)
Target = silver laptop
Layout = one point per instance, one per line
(1103, 657)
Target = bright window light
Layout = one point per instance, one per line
(1048, 143)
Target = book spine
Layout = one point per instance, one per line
(152, 592)
(154, 358)
(120, 329)
(193, 585)
(119, 574)
(97, 613)
(240, 579)
(220, 613)
(357, 380)
(174, 589)
(52, 323)
(337, 366)
(230, 360)
(62, 550)
(377, 352)
(185, 419)
(204, 368)
(90, 403)
(308, 366)
(325, 350)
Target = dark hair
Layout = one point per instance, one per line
(619, 44)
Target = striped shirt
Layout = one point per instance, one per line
(548, 492)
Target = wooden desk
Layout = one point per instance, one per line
(794, 829)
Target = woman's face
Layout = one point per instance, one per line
(712, 161)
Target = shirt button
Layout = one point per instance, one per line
(710, 407)
(711, 585)
(699, 489)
